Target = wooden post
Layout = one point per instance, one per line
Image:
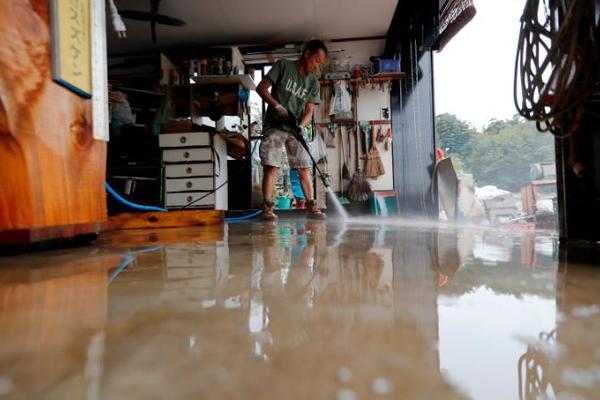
(52, 171)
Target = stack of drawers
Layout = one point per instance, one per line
(195, 164)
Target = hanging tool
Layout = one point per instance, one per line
(345, 170)
(374, 166)
(388, 139)
(380, 135)
(358, 188)
(330, 139)
(350, 131)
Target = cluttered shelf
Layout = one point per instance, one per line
(245, 80)
(377, 78)
(352, 122)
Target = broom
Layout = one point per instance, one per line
(374, 166)
(359, 188)
(343, 170)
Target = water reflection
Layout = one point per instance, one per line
(302, 309)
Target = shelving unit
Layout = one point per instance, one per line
(195, 164)
(244, 80)
(378, 78)
(186, 154)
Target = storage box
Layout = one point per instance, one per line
(388, 65)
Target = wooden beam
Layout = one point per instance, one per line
(171, 219)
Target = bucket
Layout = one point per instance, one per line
(283, 202)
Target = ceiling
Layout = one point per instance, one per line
(211, 22)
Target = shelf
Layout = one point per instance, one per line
(245, 80)
(140, 91)
(378, 78)
(387, 76)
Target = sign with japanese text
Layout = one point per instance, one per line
(71, 49)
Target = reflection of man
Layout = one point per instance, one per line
(294, 89)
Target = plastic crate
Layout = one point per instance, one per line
(389, 65)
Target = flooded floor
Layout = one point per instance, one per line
(301, 310)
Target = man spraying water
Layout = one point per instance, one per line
(295, 90)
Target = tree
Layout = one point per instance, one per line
(503, 154)
(454, 135)
(500, 155)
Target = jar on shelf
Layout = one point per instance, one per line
(204, 66)
(227, 67)
(192, 67)
(219, 68)
(212, 66)
(173, 77)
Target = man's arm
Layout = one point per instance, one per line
(308, 112)
(263, 91)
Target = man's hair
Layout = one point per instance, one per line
(313, 46)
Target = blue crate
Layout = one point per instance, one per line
(389, 65)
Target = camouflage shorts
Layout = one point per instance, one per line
(271, 150)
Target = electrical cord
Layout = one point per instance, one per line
(557, 63)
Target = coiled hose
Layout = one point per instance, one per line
(556, 66)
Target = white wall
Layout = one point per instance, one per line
(370, 102)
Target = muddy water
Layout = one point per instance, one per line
(301, 309)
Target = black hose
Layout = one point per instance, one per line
(297, 132)
(557, 63)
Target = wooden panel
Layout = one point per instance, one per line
(171, 219)
(52, 171)
(35, 234)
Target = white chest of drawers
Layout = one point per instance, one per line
(194, 170)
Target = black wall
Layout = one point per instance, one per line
(411, 37)
(414, 139)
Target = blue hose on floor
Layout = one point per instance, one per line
(140, 207)
(128, 203)
(244, 218)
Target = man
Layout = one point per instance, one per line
(295, 90)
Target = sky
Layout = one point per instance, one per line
(474, 73)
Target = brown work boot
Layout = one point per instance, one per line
(267, 210)
(313, 212)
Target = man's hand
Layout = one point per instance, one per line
(303, 131)
(282, 112)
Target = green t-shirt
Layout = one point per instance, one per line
(292, 90)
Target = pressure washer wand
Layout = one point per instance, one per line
(297, 131)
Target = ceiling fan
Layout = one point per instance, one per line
(153, 16)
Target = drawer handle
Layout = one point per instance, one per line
(186, 154)
(183, 139)
(188, 185)
(189, 199)
(188, 170)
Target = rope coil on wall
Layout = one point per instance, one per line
(557, 63)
